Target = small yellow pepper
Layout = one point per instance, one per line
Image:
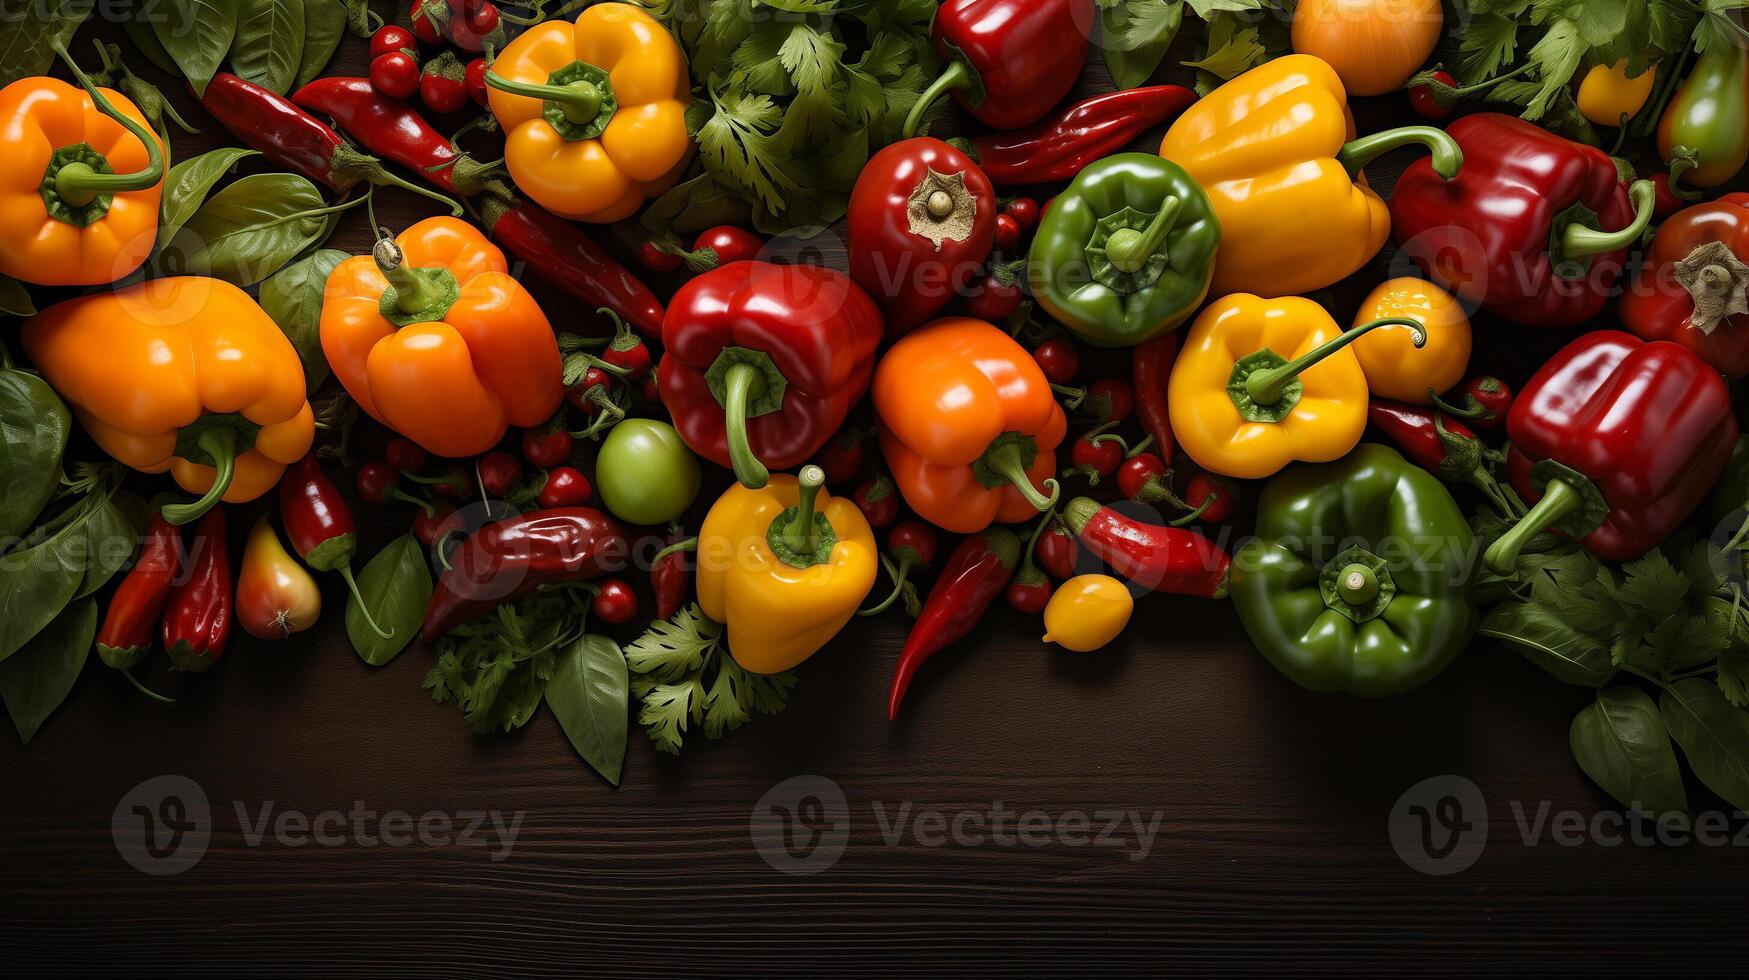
(1395, 367)
(1241, 408)
(594, 114)
(1087, 612)
(784, 568)
(1608, 97)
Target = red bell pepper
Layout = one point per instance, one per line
(922, 221)
(197, 620)
(1694, 285)
(1620, 439)
(1008, 61)
(1057, 148)
(1534, 226)
(975, 574)
(765, 361)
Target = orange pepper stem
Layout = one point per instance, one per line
(78, 183)
(414, 295)
(220, 443)
(1558, 500)
(742, 383)
(1005, 461)
(1448, 158)
(1267, 386)
(1579, 240)
(1129, 249)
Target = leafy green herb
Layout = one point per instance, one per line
(269, 47)
(47, 569)
(14, 298)
(36, 679)
(112, 533)
(188, 183)
(293, 297)
(396, 586)
(1136, 34)
(142, 14)
(249, 230)
(324, 26)
(588, 693)
(1714, 736)
(34, 425)
(684, 677)
(27, 40)
(1621, 743)
(197, 34)
(496, 667)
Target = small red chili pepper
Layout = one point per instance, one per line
(379, 483)
(197, 618)
(565, 487)
(511, 558)
(614, 602)
(395, 74)
(1008, 232)
(425, 27)
(546, 448)
(475, 82)
(391, 37)
(1664, 200)
(1058, 360)
(132, 617)
(910, 545)
(842, 458)
(1030, 591)
(1060, 146)
(1211, 498)
(593, 393)
(498, 472)
(626, 351)
(1442, 446)
(1106, 400)
(976, 572)
(1482, 401)
(996, 296)
(565, 256)
(430, 525)
(727, 243)
(878, 499)
(1145, 479)
(1162, 559)
(1150, 371)
(1056, 551)
(471, 25)
(1024, 211)
(406, 455)
(657, 259)
(320, 525)
(1095, 455)
(1423, 100)
(671, 573)
(443, 83)
(1007, 62)
(394, 130)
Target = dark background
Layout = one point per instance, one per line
(1272, 855)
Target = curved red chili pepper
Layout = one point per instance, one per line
(506, 560)
(1163, 559)
(197, 622)
(394, 130)
(1057, 148)
(1150, 370)
(564, 255)
(974, 575)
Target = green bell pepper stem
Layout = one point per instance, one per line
(1357, 585)
(1267, 386)
(741, 384)
(1005, 462)
(956, 75)
(1558, 500)
(1129, 249)
(220, 443)
(78, 184)
(580, 101)
(1578, 241)
(799, 536)
(1448, 158)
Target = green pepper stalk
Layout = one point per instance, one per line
(1570, 503)
(742, 384)
(1006, 461)
(1448, 158)
(1267, 386)
(579, 99)
(219, 444)
(1580, 240)
(414, 295)
(1129, 249)
(801, 536)
(77, 182)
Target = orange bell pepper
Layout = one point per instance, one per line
(433, 338)
(969, 425)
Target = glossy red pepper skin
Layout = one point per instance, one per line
(898, 252)
(975, 573)
(316, 518)
(819, 329)
(670, 577)
(564, 255)
(1660, 307)
(1162, 559)
(131, 620)
(271, 123)
(1150, 369)
(197, 619)
(1415, 430)
(394, 130)
(1023, 55)
(1650, 424)
(1058, 147)
(506, 560)
(1486, 233)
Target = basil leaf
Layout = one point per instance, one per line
(293, 297)
(269, 47)
(27, 36)
(189, 182)
(1571, 656)
(324, 26)
(248, 230)
(198, 34)
(1621, 743)
(1136, 35)
(36, 583)
(112, 532)
(14, 298)
(589, 693)
(396, 586)
(697, 204)
(1713, 735)
(36, 680)
(34, 424)
(142, 14)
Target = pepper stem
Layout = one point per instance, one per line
(1005, 462)
(958, 74)
(799, 536)
(1129, 249)
(899, 573)
(220, 443)
(580, 100)
(1357, 585)
(1558, 500)
(413, 293)
(78, 184)
(1578, 241)
(1268, 385)
(363, 607)
(1448, 158)
(1474, 410)
(741, 384)
(143, 689)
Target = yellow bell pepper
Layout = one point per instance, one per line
(1395, 366)
(784, 568)
(1240, 408)
(1275, 150)
(594, 114)
(1608, 97)
(184, 374)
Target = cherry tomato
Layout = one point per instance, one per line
(1007, 232)
(1134, 474)
(482, 16)
(442, 84)
(475, 81)
(1220, 496)
(391, 37)
(424, 24)
(1422, 101)
(1058, 360)
(1024, 210)
(395, 74)
(615, 602)
(843, 456)
(579, 394)
(1029, 596)
(731, 244)
(375, 480)
(993, 300)
(565, 487)
(499, 471)
(915, 535)
(1110, 400)
(452, 482)
(1055, 552)
(1095, 458)
(878, 499)
(430, 525)
(654, 259)
(406, 455)
(628, 351)
(545, 450)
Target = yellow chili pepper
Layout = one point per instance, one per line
(594, 114)
(1608, 97)
(1241, 408)
(1394, 365)
(784, 567)
(1275, 150)
(1087, 612)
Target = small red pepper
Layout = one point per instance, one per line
(1482, 401)
(132, 617)
(565, 487)
(843, 457)
(614, 601)
(911, 545)
(320, 526)
(379, 483)
(1444, 447)
(1058, 360)
(547, 448)
(1056, 550)
(726, 243)
(561, 253)
(626, 351)
(1059, 147)
(394, 130)
(1095, 455)
(197, 619)
(1145, 479)
(878, 499)
(443, 83)
(1008, 62)
(671, 573)
(395, 74)
(1163, 559)
(1211, 498)
(508, 559)
(429, 526)
(474, 26)
(976, 573)
(1150, 371)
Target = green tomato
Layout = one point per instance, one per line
(646, 475)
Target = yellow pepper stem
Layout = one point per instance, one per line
(1266, 387)
(79, 184)
(1578, 240)
(1448, 158)
(580, 101)
(1558, 500)
(799, 535)
(742, 383)
(220, 443)
(1129, 249)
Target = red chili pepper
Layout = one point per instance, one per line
(653, 257)
(430, 525)
(627, 351)
(508, 559)
(921, 222)
(1145, 479)
(843, 457)
(671, 573)
(292, 138)
(197, 619)
(727, 243)
(1058, 360)
(1024, 211)
(614, 602)
(1482, 401)
(406, 455)
(565, 256)
(1443, 446)
(379, 483)
(319, 524)
(1211, 498)
(394, 130)
(1059, 147)
(472, 25)
(1056, 551)
(910, 545)
(1007, 233)
(1423, 100)
(878, 499)
(1163, 559)
(565, 487)
(132, 617)
(976, 573)
(443, 83)
(1150, 371)
(1007, 61)
(546, 449)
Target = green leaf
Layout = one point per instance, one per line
(188, 183)
(36, 679)
(142, 14)
(1233, 49)
(34, 426)
(1488, 44)
(36, 583)
(396, 585)
(112, 533)
(1557, 55)
(1652, 588)
(694, 205)
(1713, 735)
(14, 298)
(324, 26)
(1137, 33)
(1571, 656)
(293, 297)
(671, 648)
(269, 47)
(248, 230)
(589, 693)
(198, 35)
(1621, 743)
(27, 37)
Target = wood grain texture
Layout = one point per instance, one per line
(1272, 856)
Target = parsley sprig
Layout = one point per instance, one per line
(684, 677)
(496, 667)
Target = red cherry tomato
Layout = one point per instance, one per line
(406, 455)
(615, 603)
(1024, 210)
(565, 487)
(1422, 101)
(992, 299)
(1058, 360)
(1029, 597)
(1007, 232)
(1110, 399)
(1055, 552)
(915, 535)
(424, 24)
(578, 394)
(878, 499)
(545, 450)
(395, 74)
(499, 471)
(1094, 458)
(392, 37)
(441, 88)
(731, 244)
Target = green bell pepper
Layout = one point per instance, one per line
(1359, 577)
(1126, 252)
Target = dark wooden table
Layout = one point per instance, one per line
(1273, 851)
